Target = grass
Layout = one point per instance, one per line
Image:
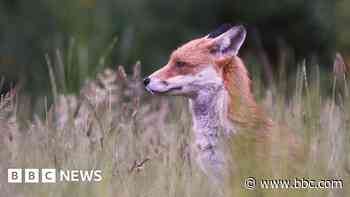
(143, 144)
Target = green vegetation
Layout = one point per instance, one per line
(147, 30)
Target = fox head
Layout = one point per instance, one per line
(198, 64)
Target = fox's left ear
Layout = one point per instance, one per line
(229, 42)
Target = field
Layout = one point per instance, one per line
(142, 143)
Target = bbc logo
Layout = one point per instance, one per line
(18, 175)
(49, 175)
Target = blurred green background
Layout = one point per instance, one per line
(50, 48)
(82, 36)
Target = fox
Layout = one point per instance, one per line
(210, 74)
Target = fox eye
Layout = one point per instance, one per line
(180, 64)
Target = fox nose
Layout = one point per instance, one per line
(146, 81)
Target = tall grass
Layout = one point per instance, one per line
(143, 144)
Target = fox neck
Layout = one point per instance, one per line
(243, 111)
(209, 111)
(229, 105)
(225, 105)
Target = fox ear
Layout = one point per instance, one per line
(229, 42)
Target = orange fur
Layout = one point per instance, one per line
(243, 109)
(194, 54)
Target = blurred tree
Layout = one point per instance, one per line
(148, 30)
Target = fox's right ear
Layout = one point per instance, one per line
(229, 42)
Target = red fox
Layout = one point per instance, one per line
(209, 73)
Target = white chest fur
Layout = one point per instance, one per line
(209, 114)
